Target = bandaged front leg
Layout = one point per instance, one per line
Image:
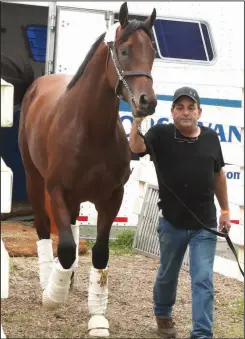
(58, 286)
(45, 260)
(75, 232)
(98, 325)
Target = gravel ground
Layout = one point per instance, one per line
(130, 311)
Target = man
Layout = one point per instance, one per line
(189, 161)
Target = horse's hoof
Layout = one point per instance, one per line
(98, 326)
(48, 303)
(99, 332)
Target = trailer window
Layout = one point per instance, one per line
(180, 40)
(36, 40)
(183, 40)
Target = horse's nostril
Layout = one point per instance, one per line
(144, 99)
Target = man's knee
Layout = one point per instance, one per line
(202, 278)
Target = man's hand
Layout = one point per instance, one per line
(139, 120)
(136, 143)
(224, 221)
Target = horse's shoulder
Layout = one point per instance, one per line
(52, 85)
(54, 79)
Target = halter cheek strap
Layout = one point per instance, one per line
(124, 74)
(110, 38)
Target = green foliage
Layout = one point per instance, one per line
(238, 308)
(121, 245)
(125, 240)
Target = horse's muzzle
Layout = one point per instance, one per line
(146, 105)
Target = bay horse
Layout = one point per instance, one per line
(74, 146)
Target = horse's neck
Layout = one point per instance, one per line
(98, 104)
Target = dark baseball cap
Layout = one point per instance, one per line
(186, 91)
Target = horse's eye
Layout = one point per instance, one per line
(123, 51)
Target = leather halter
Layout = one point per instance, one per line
(124, 74)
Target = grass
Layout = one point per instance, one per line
(12, 266)
(236, 314)
(121, 245)
(238, 307)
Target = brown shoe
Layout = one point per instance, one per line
(166, 328)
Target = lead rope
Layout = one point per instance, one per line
(223, 234)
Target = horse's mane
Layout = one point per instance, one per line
(132, 26)
(86, 61)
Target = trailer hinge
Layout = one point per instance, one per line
(52, 22)
(50, 67)
(107, 19)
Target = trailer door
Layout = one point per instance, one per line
(77, 30)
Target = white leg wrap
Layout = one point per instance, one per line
(75, 232)
(98, 325)
(58, 286)
(2, 333)
(45, 260)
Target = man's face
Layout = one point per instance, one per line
(186, 112)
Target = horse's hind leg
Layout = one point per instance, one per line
(35, 189)
(75, 231)
(58, 287)
(98, 325)
(61, 279)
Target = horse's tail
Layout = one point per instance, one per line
(28, 98)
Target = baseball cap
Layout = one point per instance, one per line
(186, 91)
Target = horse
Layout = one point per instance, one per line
(73, 145)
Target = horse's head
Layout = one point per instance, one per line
(130, 65)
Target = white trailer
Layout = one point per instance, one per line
(200, 44)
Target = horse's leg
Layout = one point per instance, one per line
(60, 279)
(75, 232)
(98, 325)
(35, 190)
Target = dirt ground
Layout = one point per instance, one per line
(130, 313)
(20, 240)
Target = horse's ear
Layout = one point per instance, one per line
(123, 15)
(151, 19)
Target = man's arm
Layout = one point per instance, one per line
(221, 190)
(136, 142)
(222, 196)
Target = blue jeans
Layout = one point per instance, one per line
(173, 245)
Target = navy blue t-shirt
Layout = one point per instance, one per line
(188, 169)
